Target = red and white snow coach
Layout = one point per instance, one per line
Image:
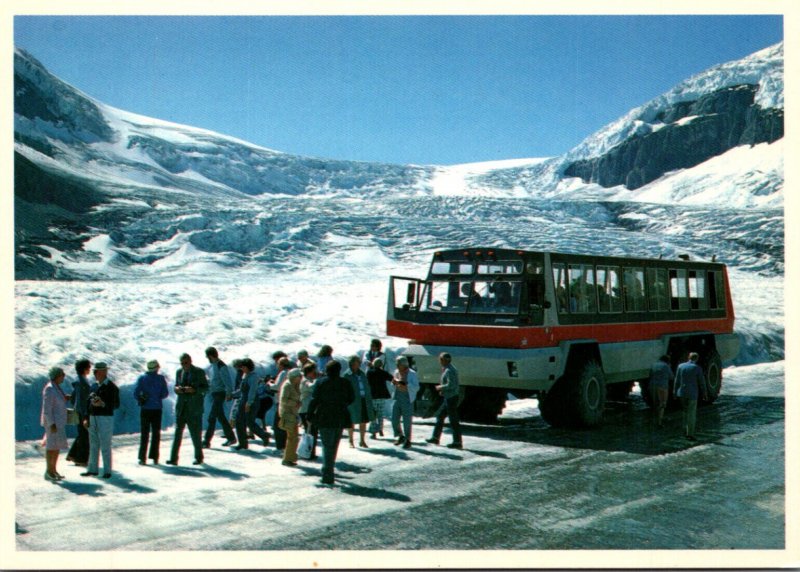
(570, 329)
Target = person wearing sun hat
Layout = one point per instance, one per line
(150, 392)
(103, 400)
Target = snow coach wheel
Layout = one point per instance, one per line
(589, 395)
(713, 374)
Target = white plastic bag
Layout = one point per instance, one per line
(306, 446)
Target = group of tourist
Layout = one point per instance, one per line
(313, 395)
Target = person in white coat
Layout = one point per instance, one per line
(405, 386)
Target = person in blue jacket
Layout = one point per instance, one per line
(150, 392)
(690, 383)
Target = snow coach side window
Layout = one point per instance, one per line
(716, 290)
(657, 293)
(560, 284)
(679, 295)
(500, 267)
(496, 297)
(697, 290)
(608, 289)
(451, 268)
(633, 279)
(444, 297)
(582, 289)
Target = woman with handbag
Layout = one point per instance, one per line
(79, 452)
(54, 421)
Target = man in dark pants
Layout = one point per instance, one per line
(448, 387)
(690, 383)
(79, 452)
(191, 386)
(150, 392)
(221, 389)
(328, 412)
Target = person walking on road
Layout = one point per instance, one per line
(221, 388)
(660, 376)
(103, 400)
(690, 383)
(150, 392)
(328, 412)
(448, 387)
(191, 386)
(247, 408)
(405, 387)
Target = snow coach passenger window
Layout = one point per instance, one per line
(657, 289)
(697, 290)
(608, 290)
(582, 289)
(679, 296)
(451, 268)
(633, 279)
(560, 284)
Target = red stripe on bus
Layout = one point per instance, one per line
(540, 336)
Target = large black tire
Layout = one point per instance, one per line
(482, 404)
(588, 398)
(712, 369)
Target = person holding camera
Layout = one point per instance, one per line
(191, 386)
(405, 386)
(150, 392)
(103, 400)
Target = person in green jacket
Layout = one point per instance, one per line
(191, 386)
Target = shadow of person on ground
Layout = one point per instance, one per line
(361, 491)
(434, 453)
(86, 488)
(129, 486)
(394, 452)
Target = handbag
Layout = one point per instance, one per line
(306, 447)
(72, 416)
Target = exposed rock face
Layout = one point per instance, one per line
(684, 135)
(62, 111)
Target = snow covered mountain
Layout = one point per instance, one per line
(140, 239)
(83, 165)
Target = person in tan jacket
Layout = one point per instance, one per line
(289, 408)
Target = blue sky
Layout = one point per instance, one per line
(401, 89)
